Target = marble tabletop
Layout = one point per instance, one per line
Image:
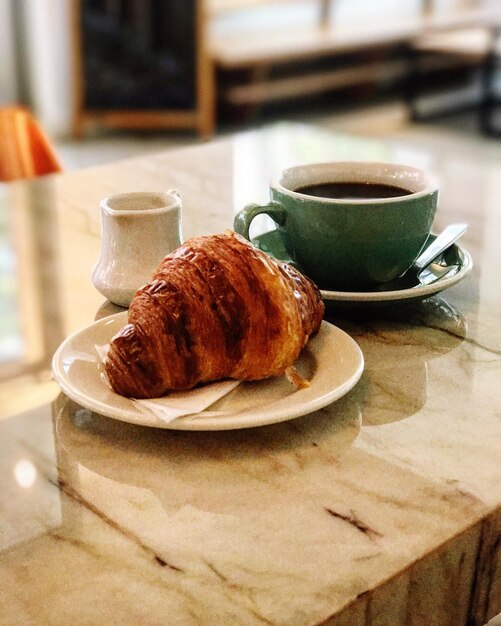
(382, 509)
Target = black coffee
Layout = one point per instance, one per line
(353, 191)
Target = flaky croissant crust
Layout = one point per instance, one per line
(216, 308)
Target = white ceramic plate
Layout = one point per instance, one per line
(332, 361)
(447, 270)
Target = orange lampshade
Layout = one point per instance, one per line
(25, 150)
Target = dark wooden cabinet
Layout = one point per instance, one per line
(142, 64)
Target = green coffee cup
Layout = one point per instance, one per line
(351, 242)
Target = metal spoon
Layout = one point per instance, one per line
(415, 275)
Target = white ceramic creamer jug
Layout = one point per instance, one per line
(137, 230)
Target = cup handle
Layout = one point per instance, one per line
(243, 218)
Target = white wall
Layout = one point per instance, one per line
(46, 42)
(8, 83)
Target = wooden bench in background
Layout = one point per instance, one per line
(254, 52)
(478, 47)
(237, 43)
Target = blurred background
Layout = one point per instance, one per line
(108, 78)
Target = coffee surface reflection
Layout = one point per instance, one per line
(353, 191)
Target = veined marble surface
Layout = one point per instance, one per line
(381, 510)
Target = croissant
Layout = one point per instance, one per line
(216, 308)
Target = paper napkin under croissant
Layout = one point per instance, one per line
(180, 403)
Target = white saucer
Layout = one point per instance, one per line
(457, 272)
(331, 360)
(449, 269)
